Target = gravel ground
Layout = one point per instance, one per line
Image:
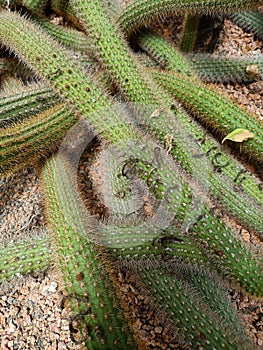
(31, 311)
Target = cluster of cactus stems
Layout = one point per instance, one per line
(160, 161)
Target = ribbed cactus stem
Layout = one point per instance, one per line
(84, 266)
(28, 141)
(185, 309)
(164, 52)
(17, 105)
(113, 52)
(139, 13)
(250, 21)
(24, 256)
(213, 69)
(189, 32)
(216, 111)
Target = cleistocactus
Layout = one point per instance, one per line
(160, 192)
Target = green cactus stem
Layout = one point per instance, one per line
(16, 105)
(165, 53)
(213, 292)
(112, 51)
(250, 21)
(227, 70)
(192, 319)
(69, 37)
(208, 68)
(189, 32)
(216, 111)
(85, 267)
(34, 138)
(24, 256)
(139, 13)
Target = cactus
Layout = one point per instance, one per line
(39, 136)
(18, 105)
(180, 227)
(85, 267)
(24, 256)
(214, 110)
(189, 33)
(232, 70)
(207, 67)
(195, 321)
(118, 135)
(250, 21)
(139, 13)
(125, 66)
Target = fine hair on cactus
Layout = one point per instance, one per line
(174, 179)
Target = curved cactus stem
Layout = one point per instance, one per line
(24, 256)
(250, 21)
(85, 267)
(139, 13)
(31, 140)
(227, 70)
(196, 318)
(216, 111)
(17, 106)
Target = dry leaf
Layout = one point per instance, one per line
(252, 70)
(239, 135)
